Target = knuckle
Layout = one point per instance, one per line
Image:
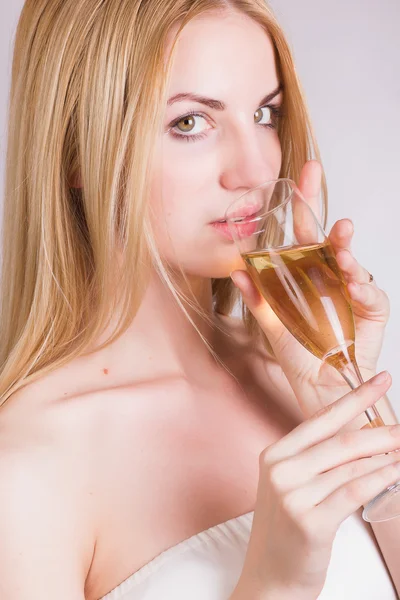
(355, 469)
(394, 430)
(353, 491)
(309, 529)
(392, 472)
(324, 412)
(276, 476)
(360, 393)
(347, 439)
(290, 504)
(265, 459)
(381, 476)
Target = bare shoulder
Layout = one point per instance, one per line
(72, 444)
(46, 501)
(44, 552)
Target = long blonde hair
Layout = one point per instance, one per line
(88, 96)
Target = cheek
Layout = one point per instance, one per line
(183, 235)
(180, 190)
(182, 173)
(175, 213)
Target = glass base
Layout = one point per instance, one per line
(384, 506)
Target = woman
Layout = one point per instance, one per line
(142, 425)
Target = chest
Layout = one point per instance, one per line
(191, 464)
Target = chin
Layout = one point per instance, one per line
(199, 257)
(213, 268)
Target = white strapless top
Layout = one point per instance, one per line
(207, 566)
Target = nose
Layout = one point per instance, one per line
(249, 158)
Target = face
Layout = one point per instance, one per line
(206, 160)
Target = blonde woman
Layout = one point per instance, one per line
(152, 444)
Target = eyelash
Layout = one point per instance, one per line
(276, 111)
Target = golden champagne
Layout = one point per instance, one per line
(307, 291)
(377, 422)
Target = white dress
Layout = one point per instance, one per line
(207, 566)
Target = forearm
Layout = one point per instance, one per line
(279, 595)
(387, 533)
(270, 595)
(246, 591)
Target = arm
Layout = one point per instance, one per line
(245, 594)
(387, 533)
(43, 550)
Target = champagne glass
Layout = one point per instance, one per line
(292, 263)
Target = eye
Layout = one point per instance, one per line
(188, 127)
(190, 124)
(258, 115)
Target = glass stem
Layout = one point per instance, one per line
(352, 375)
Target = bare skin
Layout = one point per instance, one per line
(125, 433)
(105, 433)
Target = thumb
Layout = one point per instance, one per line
(310, 185)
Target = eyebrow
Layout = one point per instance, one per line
(217, 104)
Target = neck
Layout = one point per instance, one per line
(161, 341)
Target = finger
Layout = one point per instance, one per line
(305, 221)
(343, 447)
(247, 287)
(333, 455)
(351, 268)
(341, 235)
(310, 185)
(286, 348)
(320, 487)
(258, 306)
(353, 495)
(328, 421)
(370, 299)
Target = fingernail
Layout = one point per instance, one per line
(380, 378)
(350, 226)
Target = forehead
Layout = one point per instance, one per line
(215, 51)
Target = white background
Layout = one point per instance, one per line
(348, 59)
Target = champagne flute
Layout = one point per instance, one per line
(292, 263)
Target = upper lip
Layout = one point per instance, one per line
(245, 211)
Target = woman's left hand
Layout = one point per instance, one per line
(314, 383)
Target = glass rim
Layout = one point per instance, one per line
(293, 186)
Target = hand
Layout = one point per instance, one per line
(314, 383)
(310, 481)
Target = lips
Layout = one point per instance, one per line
(245, 228)
(245, 211)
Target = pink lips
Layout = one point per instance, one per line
(243, 229)
(245, 211)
